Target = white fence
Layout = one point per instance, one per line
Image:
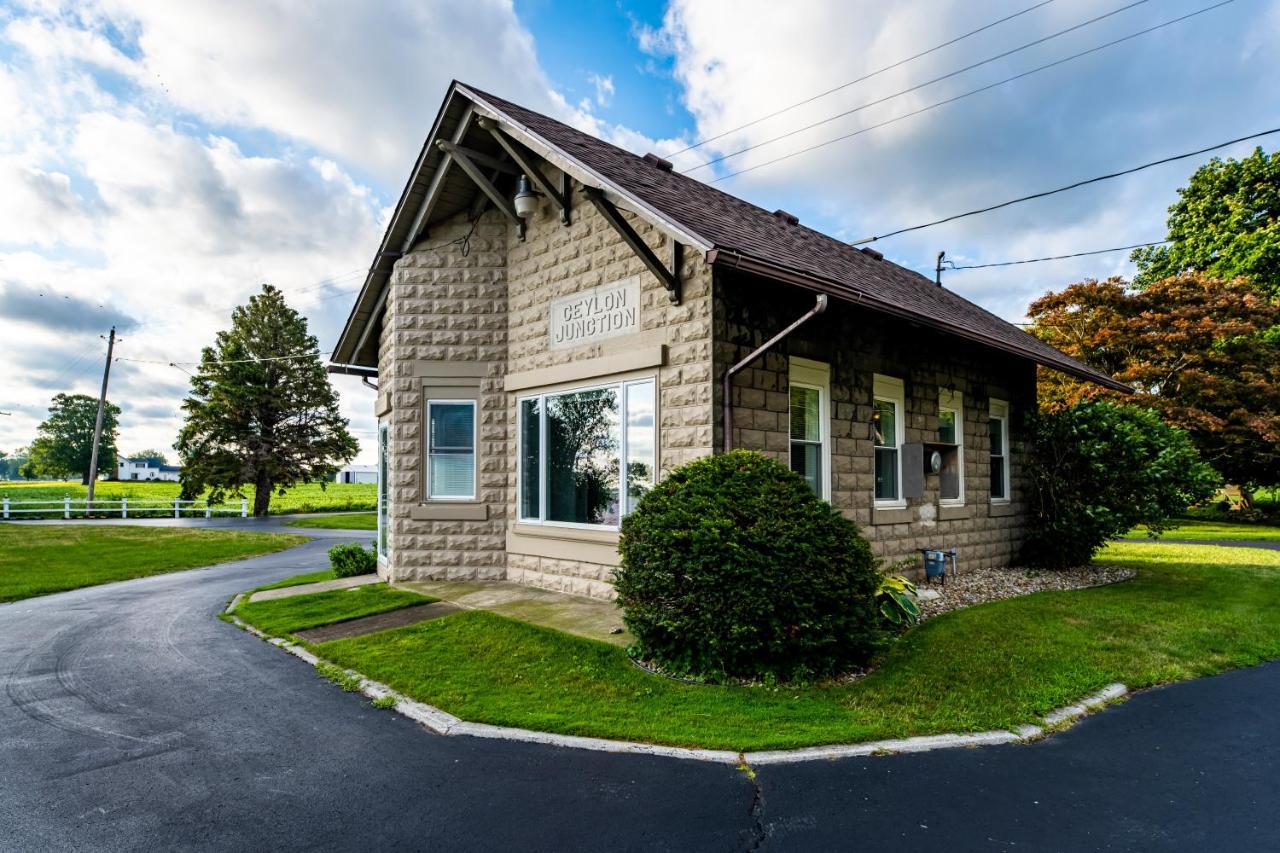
(85, 509)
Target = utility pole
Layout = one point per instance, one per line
(937, 270)
(97, 427)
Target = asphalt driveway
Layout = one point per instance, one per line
(132, 718)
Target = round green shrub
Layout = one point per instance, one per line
(733, 568)
(351, 559)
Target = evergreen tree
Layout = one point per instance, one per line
(261, 411)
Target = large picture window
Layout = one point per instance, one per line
(810, 443)
(451, 450)
(588, 455)
(999, 420)
(887, 427)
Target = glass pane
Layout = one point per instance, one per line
(805, 410)
(530, 454)
(997, 436)
(452, 474)
(885, 423)
(806, 460)
(383, 490)
(997, 477)
(452, 426)
(642, 449)
(582, 457)
(949, 476)
(886, 474)
(947, 426)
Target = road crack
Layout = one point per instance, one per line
(758, 833)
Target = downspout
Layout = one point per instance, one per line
(819, 306)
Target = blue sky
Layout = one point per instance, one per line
(159, 161)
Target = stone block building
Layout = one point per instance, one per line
(555, 323)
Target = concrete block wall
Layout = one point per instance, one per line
(555, 260)
(447, 304)
(858, 344)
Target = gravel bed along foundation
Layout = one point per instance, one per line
(978, 586)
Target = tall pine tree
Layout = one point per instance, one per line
(261, 411)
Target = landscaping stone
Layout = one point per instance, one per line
(378, 622)
(978, 586)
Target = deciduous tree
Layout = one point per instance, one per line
(1226, 223)
(64, 442)
(1201, 351)
(261, 411)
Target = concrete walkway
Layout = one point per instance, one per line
(573, 614)
(319, 586)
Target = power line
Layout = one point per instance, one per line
(1076, 185)
(179, 364)
(864, 77)
(914, 88)
(953, 267)
(971, 92)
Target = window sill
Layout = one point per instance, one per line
(954, 512)
(564, 543)
(450, 511)
(1000, 509)
(892, 515)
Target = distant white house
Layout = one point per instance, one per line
(146, 469)
(357, 474)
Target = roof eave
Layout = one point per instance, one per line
(733, 259)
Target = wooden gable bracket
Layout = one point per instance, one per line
(462, 158)
(670, 277)
(559, 196)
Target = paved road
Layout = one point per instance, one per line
(270, 524)
(132, 718)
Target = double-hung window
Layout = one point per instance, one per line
(951, 434)
(888, 431)
(586, 456)
(999, 420)
(810, 424)
(451, 450)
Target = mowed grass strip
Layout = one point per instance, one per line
(280, 617)
(1192, 611)
(306, 497)
(38, 560)
(1210, 530)
(339, 521)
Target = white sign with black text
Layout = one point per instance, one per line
(602, 312)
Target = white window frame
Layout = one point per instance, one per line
(475, 447)
(623, 492)
(816, 375)
(953, 401)
(999, 410)
(382, 539)
(890, 389)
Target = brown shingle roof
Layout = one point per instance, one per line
(744, 235)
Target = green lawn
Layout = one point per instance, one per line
(54, 558)
(298, 580)
(1193, 610)
(310, 497)
(282, 616)
(340, 521)
(1193, 528)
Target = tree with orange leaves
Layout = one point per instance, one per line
(1203, 352)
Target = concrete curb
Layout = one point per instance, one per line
(443, 723)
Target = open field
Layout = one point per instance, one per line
(309, 497)
(38, 560)
(1210, 530)
(1193, 610)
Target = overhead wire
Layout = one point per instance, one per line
(864, 77)
(1072, 186)
(953, 267)
(971, 92)
(913, 88)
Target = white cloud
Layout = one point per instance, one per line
(603, 84)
